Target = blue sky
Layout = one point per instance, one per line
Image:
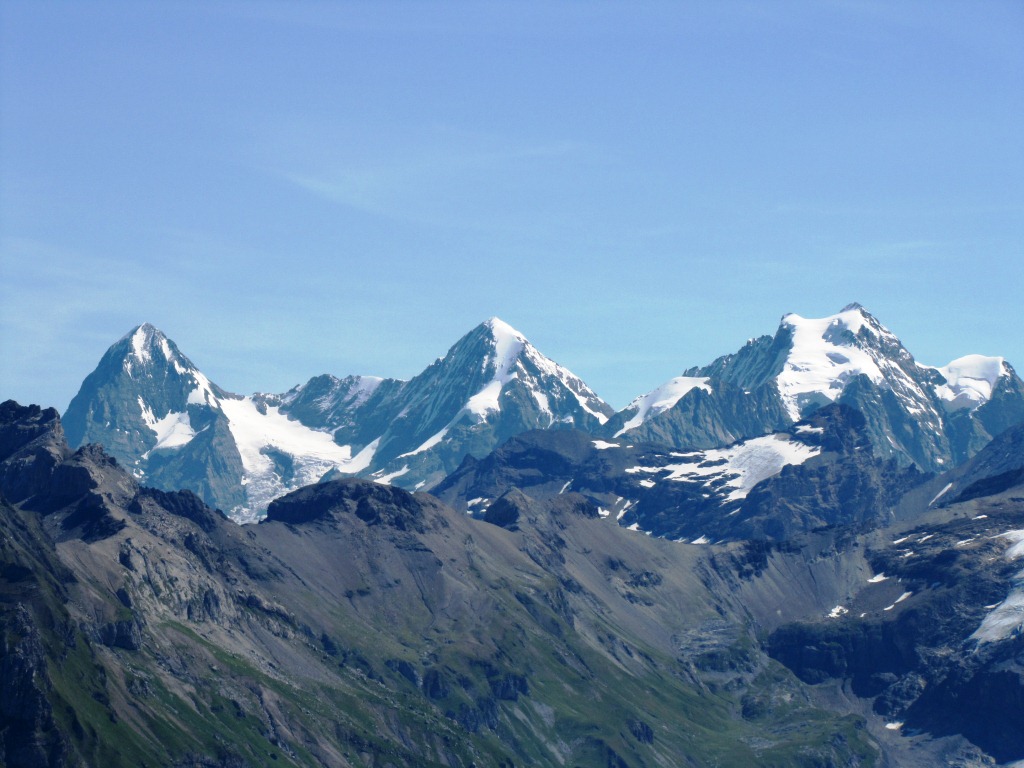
(288, 189)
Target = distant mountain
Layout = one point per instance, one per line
(159, 415)
(932, 417)
(492, 384)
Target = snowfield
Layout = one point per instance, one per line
(743, 465)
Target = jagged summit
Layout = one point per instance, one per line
(163, 418)
(922, 414)
(826, 354)
(499, 326)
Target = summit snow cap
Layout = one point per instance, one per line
(828, 352)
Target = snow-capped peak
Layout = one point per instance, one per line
(508, 345)
(147, 345)
(508, 356)
(661, 399)
(970, 381)
(828, 352)
(499, 328)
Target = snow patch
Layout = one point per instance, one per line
(172, 431)
(969, 381)
(877, 578)
(940, 494)
(140, 346)
(603, 445)
(625, 508)
(838, 611)
(742, 465)
(899, 600)
(807, 429)
(427, 444)
(386, 479)
(203, 392)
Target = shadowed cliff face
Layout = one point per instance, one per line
(927, 640)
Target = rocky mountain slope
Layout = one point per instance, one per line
(361, 625)
(820, 472)
(934, 639)
(157, 413)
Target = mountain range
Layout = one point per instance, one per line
(158, 414)
(360, 624)
(806, 553)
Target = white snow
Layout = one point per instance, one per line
(1005, 621)
(940, 494)
(743, 465)
(203, 393)
(821, 362)
(172, 430)
(508, 345)
(899, 600)
(361, 390)
(429, 443)
(702, 540)
(807, 429)
(314, 453)
(603, 445)
(838, 611)
(625, 508)
(140, 348)
(969, 381)
(661, 399)
(510, 348)
(361, 460)
(486, 400)
(895, 726)
(565, 487)
(878, 577)
(386, 479)
(647, 483)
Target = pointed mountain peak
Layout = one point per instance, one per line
(498, 325)
(494, 343)
(826, 353)
(502, 331)
(145, 342)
